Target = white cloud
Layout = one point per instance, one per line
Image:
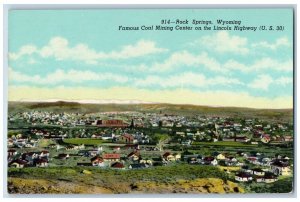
(263, 82)
(260, 65)
(272, 64)
(182, 58)
(280, 42)
(24, 50)
(235, 65)
(187, 59)
(60, 76)
(188, 79)
(284, 80)
(223, 42)
(59, 48)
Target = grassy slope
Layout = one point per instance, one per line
(181, 178)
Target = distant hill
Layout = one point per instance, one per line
(285, 115)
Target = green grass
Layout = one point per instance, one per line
(45, 142)
(159, 174)
(85, 141)
(230, 144)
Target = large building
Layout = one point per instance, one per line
(111, 123)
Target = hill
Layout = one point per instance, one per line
(285, 115)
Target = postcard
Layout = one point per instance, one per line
(150, 101)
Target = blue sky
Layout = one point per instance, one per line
(50, 50)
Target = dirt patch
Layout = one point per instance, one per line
(201, 185)
(41, 186)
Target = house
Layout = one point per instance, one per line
(108, 136)
(29, 145)
(177, 156)
(98, 136)
(267, 178)
(30, 156)
(209, 160)
(18, 163)
(12, 152)
(193, 159)
(243, 177)
(10, 143)
(44, 154)
(84, 164)
(146, 161)
(116, 148)
(186, 142)
(134, 156)
(264, 161)
(288, 138)
(253, 160)
(242, 139)
(228, 139)
(132, 146)
(126, 138)
(265, 138)
(71, 147)
(182, 134)
(220, 156)
(138, 166)
(93, 152)
(97, 161)
(258, 172)
(167, 123)
(117, 165)
(20, 142)
(279, 167)
(246, 169)
(52, 145)
(111, 157)
(270, 177)
(41, 162)
(63, 156)
(168, 157)
(231, 161)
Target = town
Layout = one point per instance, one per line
(246, 150)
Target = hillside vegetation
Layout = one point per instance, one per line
(167, 179)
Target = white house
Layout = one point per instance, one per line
(243, 177)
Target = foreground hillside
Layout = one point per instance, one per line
(167, 179)
(265, 114)
(43, 186)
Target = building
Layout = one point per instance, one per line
(111, 123)
(280, 168)
(18, 163)
(117, 165)
(126, 138)
(243, 177)
(258, 172)
(134, 156)
(111, 157)
(209, 160)
(97, 161)
(41, 162)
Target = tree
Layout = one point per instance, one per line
(161, 140)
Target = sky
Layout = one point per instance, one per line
(82, 55)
